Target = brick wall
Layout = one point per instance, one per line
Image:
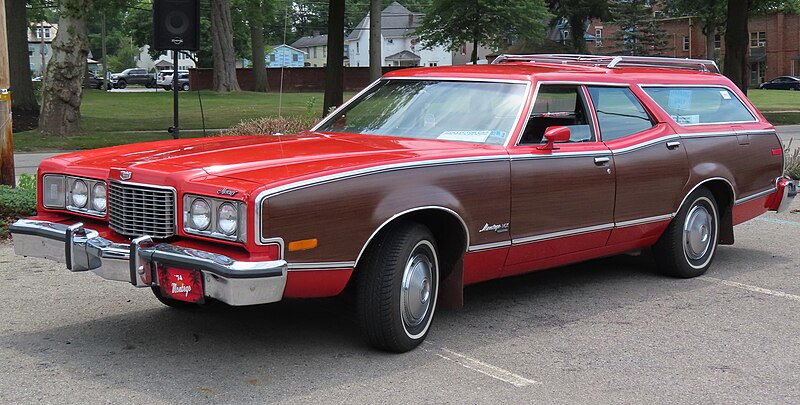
(299, 79)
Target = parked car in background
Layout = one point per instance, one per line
(165, 81)
(132, 76)
(428, 180)
(93, 82)
(164, 78)
(782, 83)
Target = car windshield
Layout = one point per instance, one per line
(476, 112)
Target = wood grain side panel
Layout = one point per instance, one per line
(343, 214)
(751, 168)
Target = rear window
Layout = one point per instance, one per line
(700, 105)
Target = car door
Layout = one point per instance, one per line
(651, 165)
(562, 200)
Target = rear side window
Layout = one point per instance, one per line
(619, 112)
(700, 105)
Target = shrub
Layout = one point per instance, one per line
(792, 161)
(17, 202)
(271, 125)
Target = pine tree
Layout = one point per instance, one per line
(640, 33)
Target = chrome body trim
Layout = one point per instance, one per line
(488, 246)
(728, 133)
(646, 144)
(642, 221)
(756, 196)
(231, 281)
(321, 266)
(789, 193)
(730, 186)
(560, 234)
(395, 216)
(130, 183)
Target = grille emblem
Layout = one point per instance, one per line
(125, 175)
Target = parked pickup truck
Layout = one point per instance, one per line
(428, 180)
(132, 76)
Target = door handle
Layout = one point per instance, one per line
(673, 144)
(601, 160)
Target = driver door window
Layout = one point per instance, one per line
(558, 105)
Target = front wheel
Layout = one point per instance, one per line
(687, 246)
(397, 288)
(122, 84)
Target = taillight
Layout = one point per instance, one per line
(777, 152)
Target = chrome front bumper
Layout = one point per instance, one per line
(230, 281)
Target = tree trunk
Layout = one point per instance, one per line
(222, 47)
(476, 34)
(711, 33)
(737, 67)
(375, 51)
(61, 90)
(577, 29)
(24, 107)
(334, 83)
(260, 83)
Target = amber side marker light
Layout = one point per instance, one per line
(304, 244)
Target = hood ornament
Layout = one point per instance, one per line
(125, 175)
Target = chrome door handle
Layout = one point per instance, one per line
(673, 144)
(601, 160)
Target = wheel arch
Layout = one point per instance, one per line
(724, 194)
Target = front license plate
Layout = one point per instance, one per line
(181, 284)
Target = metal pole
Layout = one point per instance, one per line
(176, 132)
(6, 136)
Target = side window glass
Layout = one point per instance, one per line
(558, 105)
(619, 112)
(700, 105)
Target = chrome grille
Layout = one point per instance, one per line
(136, 210)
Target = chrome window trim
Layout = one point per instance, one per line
(642, 145)
(272, 192)
(728, 133)
(510, 134)
(399, 214)
(531, 156)
(756, 196)
(174, 195)
(321, 266)
(720, 86)
(561, 234)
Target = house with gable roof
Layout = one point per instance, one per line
(400, 45)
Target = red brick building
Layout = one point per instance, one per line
(774, 43)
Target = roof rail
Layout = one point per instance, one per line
(612, 62)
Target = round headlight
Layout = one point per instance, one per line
(79, 194)
(227, 218)
(99, 197)
(200, 214)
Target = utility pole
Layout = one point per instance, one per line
(375, 51)
(6, 136)
(106, 82)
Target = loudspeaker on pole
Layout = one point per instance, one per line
(176, 25)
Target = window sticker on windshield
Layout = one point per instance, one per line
(686, 119)
(680, 99)
(468, 136)
(725, 94)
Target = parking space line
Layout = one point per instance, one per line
(484, 368)
(753, 288)
(778, 221)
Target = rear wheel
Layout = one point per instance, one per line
(687, 246)
(397, 288)
(185, 87)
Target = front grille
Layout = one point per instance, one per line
(135, 210)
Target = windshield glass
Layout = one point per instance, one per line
(477, 112)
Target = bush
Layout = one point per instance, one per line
(17, 202)
(271, 125)
(792, 161)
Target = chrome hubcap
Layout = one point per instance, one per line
(416, 293)
(697, 232)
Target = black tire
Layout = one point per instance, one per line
(122, 84)
(388, 315)
(687, 247)
(185, 87)
(183, 305)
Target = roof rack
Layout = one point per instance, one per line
(612, 62)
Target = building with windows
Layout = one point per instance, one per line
(400, 45)
(315, 48)
(40, 39)
(285, 56)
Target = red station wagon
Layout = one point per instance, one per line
(428, 180)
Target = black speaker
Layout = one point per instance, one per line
(176, 25)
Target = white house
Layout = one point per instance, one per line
(400, 44)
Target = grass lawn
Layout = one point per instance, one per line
(109, 118)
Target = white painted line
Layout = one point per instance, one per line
(753, 288)
(486, 369)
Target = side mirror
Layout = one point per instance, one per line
(553, 135)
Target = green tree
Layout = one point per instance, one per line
(577, 13)
(451, 23)
(257, 14)
(640, 33)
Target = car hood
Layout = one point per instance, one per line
(257, 161)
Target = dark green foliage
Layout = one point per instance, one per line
(17, 202)
(452, 23)
(640, 33)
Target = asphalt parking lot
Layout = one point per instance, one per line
(606, 331)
